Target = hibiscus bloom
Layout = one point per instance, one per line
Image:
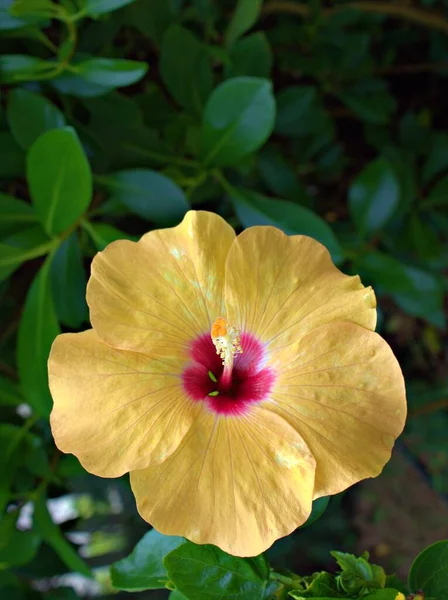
(236, 378)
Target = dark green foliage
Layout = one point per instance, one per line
(118, 116)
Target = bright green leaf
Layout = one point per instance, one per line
(186, 68)
(429, 572)
(143, 569)
(69, 282)
(37, 330)
(374, 196)
(59, 178)
(94, 8)
(254, 209)
(111, 72)
(244, 17)
(238, 119)
(149, 194)
(206, 573)
(29, 115)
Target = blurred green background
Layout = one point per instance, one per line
(336, 126)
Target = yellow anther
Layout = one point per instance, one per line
(226, 340)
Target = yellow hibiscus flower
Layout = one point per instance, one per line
(236, 378)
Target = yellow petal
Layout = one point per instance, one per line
(116, 410)
(343, 391)
(164, 290)
(239, 483)
(280, 287)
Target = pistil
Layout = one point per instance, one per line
(227, 342)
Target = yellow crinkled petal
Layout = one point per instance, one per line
(279, 287)
(163, 290)
(343, 391)
(239, 483)
(116, 410)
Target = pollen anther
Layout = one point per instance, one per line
(226, 340)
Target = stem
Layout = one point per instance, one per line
(422, 17)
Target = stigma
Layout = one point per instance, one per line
(227, 342)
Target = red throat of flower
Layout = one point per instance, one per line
(227, 370)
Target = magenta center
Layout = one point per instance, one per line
(251, 380)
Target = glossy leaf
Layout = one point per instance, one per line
(143, 569)
(37, 330)
(29, 115)
(244, 17)
(149, 194)
(53, 536)
(254, 209)
(69, 283)
(374, 196)
(186, 68)
(75, 85)
(238, 119)
(8, 21)
(111, 72)
(206, 573)
(59, 178)
(94, 8)
(429, 572)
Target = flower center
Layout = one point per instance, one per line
(227, 342)
(227, 370)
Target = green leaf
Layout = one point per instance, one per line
(93, 8)
(254, 209)
(21, 246)
(357, 574)
(429, 572)
(8, 22)
(32, 8)
(148, 194)
(20, 550)
(51, 533)
(12, 157)
(244, 17)
(103, 234)
(417, 292)
(385, 594)
(69, 283)
(143, 569)
(279, 177)
(29, 115)
(111, 72)
(437, 160)
(322, 585)
(319, 507)
(251, 56)
(206, 573)
(177, 596)
(374, 196)
(37, 330)
(22, 67)
(59, 178)
(74, 85)
(14, 214)
(238, 119)
(186, 68)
